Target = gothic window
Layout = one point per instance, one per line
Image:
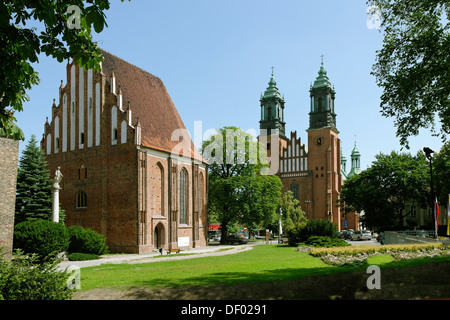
(82, 172)
(81, 200)
(200, 197)
(183, 196)
(269, 113)
(320, 104)
(159, 192)
(294, 189)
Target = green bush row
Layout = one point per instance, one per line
(43, 238)
(325, 242)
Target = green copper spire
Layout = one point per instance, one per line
(272, 90)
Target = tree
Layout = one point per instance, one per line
(34, 188)
(413, 67)
(238, 192)
(67, 29)
(441, 173)
(292, 212)
(383, 190)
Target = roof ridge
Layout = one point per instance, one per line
(131, 64)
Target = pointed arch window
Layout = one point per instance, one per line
(183, 196)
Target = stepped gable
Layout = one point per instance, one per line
(150, 102)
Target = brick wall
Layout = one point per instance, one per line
(9, 155)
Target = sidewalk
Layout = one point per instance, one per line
(211, 250)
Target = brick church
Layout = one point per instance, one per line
(313, 173)
(130, 169)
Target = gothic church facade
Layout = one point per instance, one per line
(314, 173)
(130, 169)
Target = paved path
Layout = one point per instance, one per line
(211, 250)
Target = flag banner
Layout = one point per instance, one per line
(448, 216)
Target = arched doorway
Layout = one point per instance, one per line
(158, 236)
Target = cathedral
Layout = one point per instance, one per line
(314, 173)
(130, 169)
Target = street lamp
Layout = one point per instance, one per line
(428, 153)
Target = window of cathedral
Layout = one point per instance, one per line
(81, 200)
(183, 196)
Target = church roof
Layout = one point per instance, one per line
(151, 103)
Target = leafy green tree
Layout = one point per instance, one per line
(413, 66)
(66, 33)
(441, 173)
(34, 187)
(292, 212)
(238, 192)
(382, 190)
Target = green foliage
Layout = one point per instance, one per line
(34, 188)
(41, 237)
(86, 241)
(292, 212)
(21, 45)
(413, 67)
(26, 277)
(382, 190)
(327, 242)
(301, 231)
(293, 232)
(79, 256)
(318, 228)
(238, 192)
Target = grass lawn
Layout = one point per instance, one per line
(261, 264)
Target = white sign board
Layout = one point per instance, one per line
(183, 241)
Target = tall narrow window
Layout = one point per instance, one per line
(294, 189)
(183, 196)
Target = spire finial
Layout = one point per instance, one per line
(322, 59)
(272, 72)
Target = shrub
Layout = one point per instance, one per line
(86, 241)
(28, 278)
(322, 228)
(79, 256)
(300, 232)
(293, 233)
(41, 237)
(324, 241)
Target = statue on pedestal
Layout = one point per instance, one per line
(56, 187)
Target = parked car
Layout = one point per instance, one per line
(232, 238)
(362, 235)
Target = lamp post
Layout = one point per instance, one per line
(428, 153)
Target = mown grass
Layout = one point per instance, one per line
(261, 264)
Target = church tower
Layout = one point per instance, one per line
(356, 162)
(272, 110)
(272, 124)
(324, 156)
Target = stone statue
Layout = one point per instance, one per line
(56, 187)
(57, 179)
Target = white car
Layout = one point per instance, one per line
(362, 235)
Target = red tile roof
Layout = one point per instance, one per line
(150, 102)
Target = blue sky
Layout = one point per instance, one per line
(215, 58)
